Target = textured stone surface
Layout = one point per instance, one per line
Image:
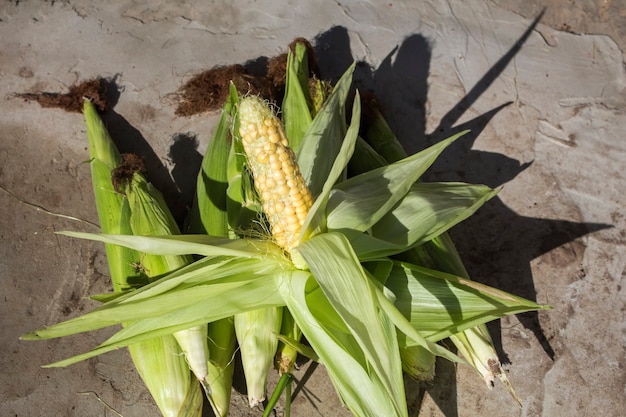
(556, 232)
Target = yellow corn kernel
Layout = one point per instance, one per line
(286, 198)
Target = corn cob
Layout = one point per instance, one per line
(286, 201)
(285, 197)
(158, 361)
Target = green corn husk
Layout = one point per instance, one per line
(297, 106)
(158, 360)
(378, 134)
(162, 366)
(110, 205)
(287, 354)
(222, 347)
(474, 344)
(256, 332)
(150, 216)
(209, 215)
(418, 363)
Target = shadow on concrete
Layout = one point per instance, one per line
(186, 161)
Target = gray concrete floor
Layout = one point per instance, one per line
(555, 234)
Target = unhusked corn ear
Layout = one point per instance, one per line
(150, 216)
(285, 197)
(158, 360)
(256, 333)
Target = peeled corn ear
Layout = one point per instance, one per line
(285, 197)
(286, 201)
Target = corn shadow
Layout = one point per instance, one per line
(186, 161)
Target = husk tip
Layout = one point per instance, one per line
(253, 401)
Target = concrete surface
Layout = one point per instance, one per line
(555, 234)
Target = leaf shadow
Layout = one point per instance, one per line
(186, 160)
(502, 260)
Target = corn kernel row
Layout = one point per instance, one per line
(285, 197)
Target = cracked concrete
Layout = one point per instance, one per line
(546, 109)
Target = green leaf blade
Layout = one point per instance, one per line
(205, 245)
(361, 390)
(206, 281)
(428, 210)
(351, 294)
(360, 202)
(296, 108)
(439, 305)
(323, 139)
(316, 219)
